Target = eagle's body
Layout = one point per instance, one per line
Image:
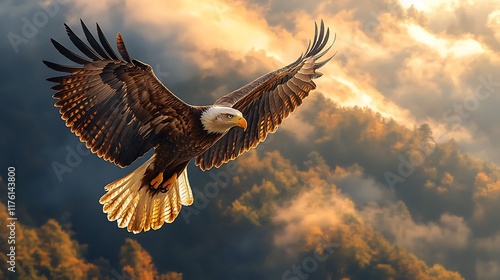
(121, 110)
(174, 153)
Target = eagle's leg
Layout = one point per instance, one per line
(165, 187)
(155, 183)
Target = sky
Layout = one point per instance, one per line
(398, 143)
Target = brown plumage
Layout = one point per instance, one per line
(120, 109)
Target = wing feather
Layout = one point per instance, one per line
(62, 68)
(81, 45)
(249, 114)
(69, 54)
(276, 106)
(93, 42)
(122, 49)
(267, 122)
(267, 101)
(118, 107)
(105, 43)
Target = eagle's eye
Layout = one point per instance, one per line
(229, 116)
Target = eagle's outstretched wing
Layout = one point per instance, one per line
(118, 107)
(267, 101)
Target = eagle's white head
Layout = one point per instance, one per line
(219, 119)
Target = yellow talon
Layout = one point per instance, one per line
(155, 183)
(170, 182)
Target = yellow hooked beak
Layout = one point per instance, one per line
(241, 122)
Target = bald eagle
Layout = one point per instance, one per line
(121, 110)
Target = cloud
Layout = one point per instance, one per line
(488, 270)
(413, 64)
(433, 241)
(50, 251)
(310, 212)
(320, 216)
(460, 200)
(428, 52)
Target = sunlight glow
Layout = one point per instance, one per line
(362, 98)
(433, 5)
(445, 47)
(419, 5)
(493, 22)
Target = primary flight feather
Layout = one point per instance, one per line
(121, 110)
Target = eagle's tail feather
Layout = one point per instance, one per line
(137, 208)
